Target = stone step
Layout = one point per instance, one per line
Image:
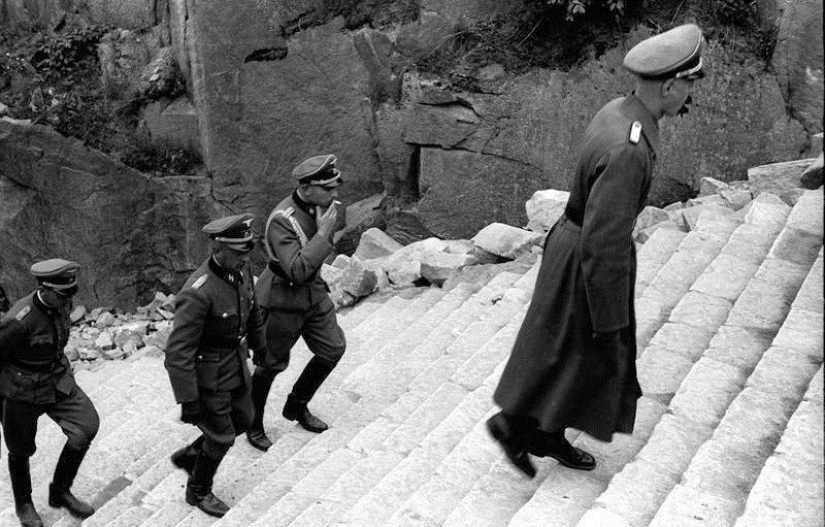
(154, 491)
(674, 279)
(246, 461)
(390, 387)
(717, 400)
(655, 252)
(376, 507)
(717, 481)
(387, 442)
(347, 418)
(788, 490)
(351, 471)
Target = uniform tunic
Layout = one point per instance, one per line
(291, 290)
(36, 377)
(558, 374)
(205, 353)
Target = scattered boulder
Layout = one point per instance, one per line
(375, 243)
(544, 208)
(437, 268)
(104, 341)
(777, 177)
(77, 314)
(709, 186)
(159, 337)
(712, 199)
(357, 280)
(736, 197)
(649, 217)
(506, 241)
(812, 176)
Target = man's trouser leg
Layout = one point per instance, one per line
(79, 420)
(221, 410)
(199, 486)
(186, 456)
(326, 341)
(21, 420)
(21, 485)
(282, 331)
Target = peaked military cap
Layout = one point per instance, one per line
(676, 53)
(234, 231)
(318, 170)
(56, 273)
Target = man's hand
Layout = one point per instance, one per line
(190, 412)
(327, 221)
(258, 356)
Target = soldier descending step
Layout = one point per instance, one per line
(296, 303)
(36, 378)
(216, 315)
(573, 362)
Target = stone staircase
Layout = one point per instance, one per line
(729, 431)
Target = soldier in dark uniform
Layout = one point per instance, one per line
(298, 237)
(216, 315)
(36, 378)
(573, 362)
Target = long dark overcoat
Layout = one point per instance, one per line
(558, 373)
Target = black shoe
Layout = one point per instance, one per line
(27, 514)
(207, 502)
(59, 497)
(258, 439)
(565, 453)
(184, 459)
(297, 411)
(500, 430)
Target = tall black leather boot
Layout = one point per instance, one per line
(186, 456)
(21, 485)
(315, 373)
(261, 383)
(59, 494)
(199, 487)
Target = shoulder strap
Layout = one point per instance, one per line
(197, 284)
(23, 312)
(286, 213)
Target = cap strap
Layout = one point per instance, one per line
(688, 72)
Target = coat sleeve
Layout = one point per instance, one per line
(13, 338)
(191, 308)
(255, 327)
(607, 235)
(299, 263)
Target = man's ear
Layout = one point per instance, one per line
(667, 86)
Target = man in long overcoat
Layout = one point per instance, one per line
(217, 319)
(573, 362)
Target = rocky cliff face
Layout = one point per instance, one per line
(272, 82)
(132, 234)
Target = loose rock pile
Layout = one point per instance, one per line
(108, 334)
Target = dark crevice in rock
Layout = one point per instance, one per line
(301, 22)
(17, 183)
(267, 54)
(414, 175)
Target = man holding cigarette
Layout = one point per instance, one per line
(295, 300)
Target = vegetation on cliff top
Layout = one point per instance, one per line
(54, 77)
